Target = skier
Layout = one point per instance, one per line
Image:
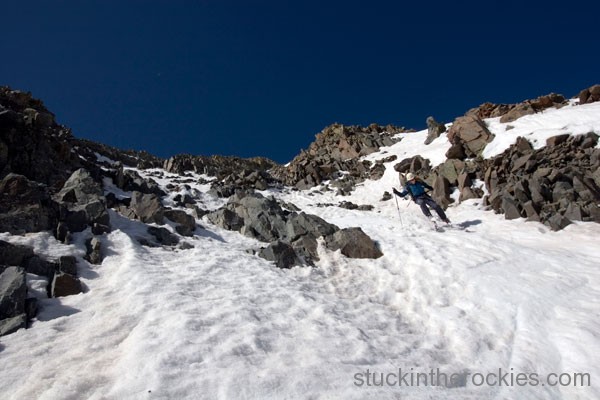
(416, 189)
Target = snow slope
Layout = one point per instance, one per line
(214, 322)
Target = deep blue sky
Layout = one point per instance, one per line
(252, 78)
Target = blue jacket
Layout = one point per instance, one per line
(415, 190)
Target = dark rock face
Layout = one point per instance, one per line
(336, 149)
(25, 206)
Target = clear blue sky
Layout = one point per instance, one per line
(252, 78)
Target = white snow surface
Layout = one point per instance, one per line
(215, 322)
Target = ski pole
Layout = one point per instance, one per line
(398, 208)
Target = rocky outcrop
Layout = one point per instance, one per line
(264, 219)
(556, 184)
(83, 204)
(334, 155)
(589, 95)
(218, 166)
(529, 107)
(26, 206)
(510, 112)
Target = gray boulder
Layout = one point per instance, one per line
(281, 253)
(13, 291)
(13, 324)
(84, 203)
(186, 224)
(353, 243)
(163, 236)
(146, 207)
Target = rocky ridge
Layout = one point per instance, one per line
(334, 155)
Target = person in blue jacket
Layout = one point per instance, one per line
(416, 189)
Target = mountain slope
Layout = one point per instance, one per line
(212, 320)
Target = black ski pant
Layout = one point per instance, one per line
(424, 201)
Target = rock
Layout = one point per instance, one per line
(336, 148)
(556, 140)
(531, 211)
(13, 291)
(65, 285)
(441, 191)
(80, 188)
(467, 193)
(13, 324)
(14, 254)
(434, 130)
(226, 219)
(84, 203)
(94, 251)
(38, 266)
(353, 243)
(574, 212)
(511, 210)
(472, 132)
(517, 112)
(147, 208)
(67, 265)
(281, 253)
(25, 206)
(386, 196)
(557, 222)
(163, 236)
(456, 151)
(186, 224)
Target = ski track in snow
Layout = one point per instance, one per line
(215, 322)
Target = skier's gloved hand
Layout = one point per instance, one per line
(397, 193)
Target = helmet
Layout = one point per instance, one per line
(410, 176)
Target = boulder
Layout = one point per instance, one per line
(146, 207)
(441, 191)
(472, 133)
(281, 253)
(94, 251)
(83, 202)
(13, 291)
(14, 254)
(65, 285)
(226, 219)
(163, 236)
(67, 265)
(13, 324)
(353, 243)
(186, 224)
(434, 130)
